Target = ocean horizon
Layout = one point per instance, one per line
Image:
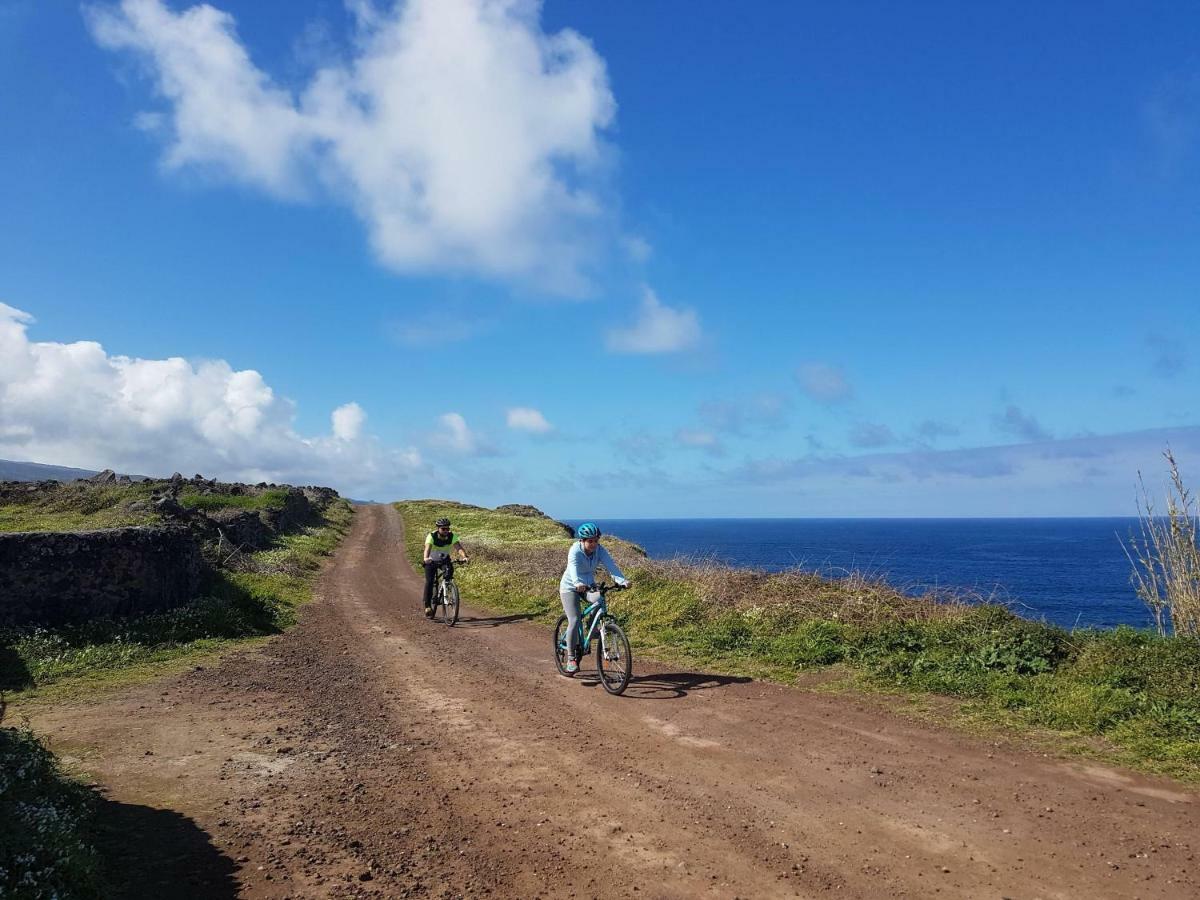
(1069, 571)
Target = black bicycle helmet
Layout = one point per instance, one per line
(442, 521)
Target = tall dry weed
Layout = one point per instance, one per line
(1166, 558)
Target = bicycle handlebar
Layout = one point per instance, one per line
(605, 588)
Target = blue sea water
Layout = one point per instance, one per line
(1071, 572)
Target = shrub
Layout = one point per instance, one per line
(43, 819)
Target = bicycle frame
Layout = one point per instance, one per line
(597, 611)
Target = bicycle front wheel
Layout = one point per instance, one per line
(450, 609)
(614, 659)
(560, 644)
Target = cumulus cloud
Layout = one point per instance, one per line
(657, 329)
(348, 421)
(1020, 424)
(74, 404)
(524, 418)
(824, 383)
(464, 136)
(456, 437)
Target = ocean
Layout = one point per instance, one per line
(1071, 572)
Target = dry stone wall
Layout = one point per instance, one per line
(59, 578)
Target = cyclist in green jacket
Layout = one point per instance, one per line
(438, 544)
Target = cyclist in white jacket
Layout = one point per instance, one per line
(583, 557)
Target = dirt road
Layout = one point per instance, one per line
(372, 753)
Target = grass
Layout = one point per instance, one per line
(77, 506)
(1127, 695)
(261, 598)
(273, 498)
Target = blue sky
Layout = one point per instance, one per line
(613, 259)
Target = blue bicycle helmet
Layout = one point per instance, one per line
(587, 530)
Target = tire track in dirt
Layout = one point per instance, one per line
(370, 752)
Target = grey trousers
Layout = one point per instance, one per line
(570, 605)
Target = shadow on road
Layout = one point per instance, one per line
(667, 685)
(493, 621)
(159, 853)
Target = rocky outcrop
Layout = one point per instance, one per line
(532, 512)
(59, 578)
(248, 529)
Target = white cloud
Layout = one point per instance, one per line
(456, 437)
(524, 418)
(74, 404)
(658, 329)
(348, 421)
(464, 136)
(824, 383)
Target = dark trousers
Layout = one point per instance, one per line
(430, 571)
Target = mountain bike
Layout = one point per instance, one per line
(614, 660)
(445, 595)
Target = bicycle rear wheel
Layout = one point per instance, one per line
(614, 659)
(450, 607)
(439, 601)
(560, 645)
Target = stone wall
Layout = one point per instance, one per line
(56, 578)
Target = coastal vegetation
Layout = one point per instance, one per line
(1128, 695)
(1166, 557)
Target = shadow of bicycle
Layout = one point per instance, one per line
(668, 685)
(493, 621)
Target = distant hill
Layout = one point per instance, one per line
(28, 471)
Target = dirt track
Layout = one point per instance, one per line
(372, 753)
